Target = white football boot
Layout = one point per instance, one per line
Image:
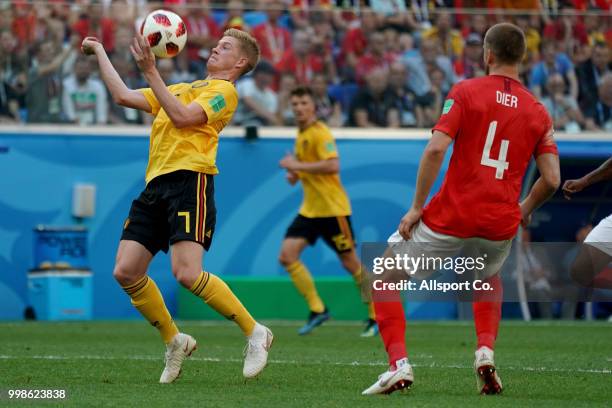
(181, 346)
(487, 380)
(256, 351)
(392, 380)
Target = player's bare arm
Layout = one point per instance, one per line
(328, 166)
(122, 95)
(602, 173)
(544, 187)
(181, 116)
(429, 167)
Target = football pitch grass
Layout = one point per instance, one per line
(119, 363)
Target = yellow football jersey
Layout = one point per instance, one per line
(194, 147)
(324, 195)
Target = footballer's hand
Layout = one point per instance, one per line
(292, 177)
(289, 162)
(408, 222)
(525, 216)
(89, 45)
(573, 186)
(144, 57)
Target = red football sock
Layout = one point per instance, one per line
(392, 326)
(487, 314)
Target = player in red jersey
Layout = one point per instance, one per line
(497, 126)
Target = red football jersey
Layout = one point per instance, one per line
(497, 126)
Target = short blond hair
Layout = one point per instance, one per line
(248, 45)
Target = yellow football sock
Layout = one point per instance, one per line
(220, 297)
(305, 285)
(147, 298)
(371, 312)
(358, 276)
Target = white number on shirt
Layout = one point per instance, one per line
(500, 165)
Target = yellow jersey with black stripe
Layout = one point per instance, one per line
(324, 195)
(194, 147)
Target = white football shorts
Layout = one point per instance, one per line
(426, 243)
(601, 236)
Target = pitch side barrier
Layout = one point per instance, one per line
(266, 132)
(42, 165)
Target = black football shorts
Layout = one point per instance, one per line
(178, 206)
(337, 232)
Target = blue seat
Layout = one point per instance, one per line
(255, 18)
(344, 93)
(219, 16)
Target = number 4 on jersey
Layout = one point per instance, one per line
(500, 165)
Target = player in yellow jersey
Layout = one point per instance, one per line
(177, 207)
(325, 211)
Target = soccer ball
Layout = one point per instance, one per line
(166, 33)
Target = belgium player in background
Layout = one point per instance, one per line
(177, 207)
(325, 212)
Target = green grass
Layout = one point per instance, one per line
(118, 364)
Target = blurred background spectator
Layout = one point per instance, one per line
(84, 98)
(235, 17)
(553, 61)
(300, 60)
(449, 39)
(203, 33)
(589, 75)
(329, 108)
(13, 77)
(334, 45)
(284, 111)
(258, 105)
(599, 115)
(421, 65)
(471, 63)
(355, 42)
(408, 107)
(563, 108)
(393, 13)
(375, 104)
(273, 39)
(376, 56)
(44, 94)
(92, 23)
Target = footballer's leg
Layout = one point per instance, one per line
(130, 271)
(186, 266)
(351, 263)
(391, 322)
(144, 234)
(299, 235)
(487, 315)
(338, 234)
(388, 304)
(191, 218)
(594, 255)
(487, 307)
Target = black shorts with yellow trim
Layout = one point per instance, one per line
(337, 232)
(178, 206)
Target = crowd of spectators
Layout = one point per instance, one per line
(383, 63)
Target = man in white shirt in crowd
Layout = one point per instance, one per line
(258, 104)
(84, 100)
